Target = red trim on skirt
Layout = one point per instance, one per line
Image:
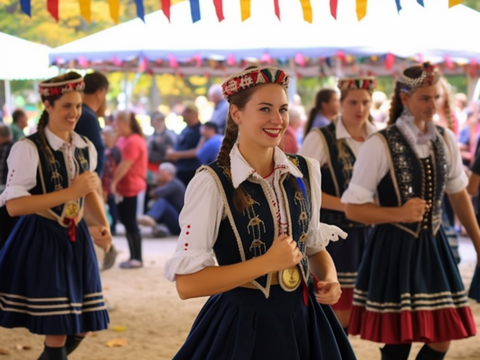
(346, 300)
(406, 326)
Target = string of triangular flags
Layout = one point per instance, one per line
(245, 8)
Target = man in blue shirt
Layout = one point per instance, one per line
(185, 150)
(210, 144)
(219, 115)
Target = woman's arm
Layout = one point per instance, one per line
(332, 202)
(26, 205)
(473, 184)
(322, 266)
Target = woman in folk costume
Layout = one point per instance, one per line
(49, 279)
(256, 210)
(336, 146)
(408, 287)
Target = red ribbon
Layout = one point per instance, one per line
(305, 293)
(166, 8)
(333, 8)
(52, 7)
(219, 9)
(277, 8)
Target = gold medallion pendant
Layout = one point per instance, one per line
(290, 279)
(71, 210)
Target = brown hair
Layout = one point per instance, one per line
(43, 121)
(323, 96)
(396, 106)
(129, 117)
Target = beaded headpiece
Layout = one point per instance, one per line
(361, 82)
(252, 77)
(48, 88)
(429, 76)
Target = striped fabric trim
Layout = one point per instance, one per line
(417, 302)
(50, 306)
(347, 279)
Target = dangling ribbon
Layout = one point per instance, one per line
(114, 10)
(277, 8)
(140, 9)
(421, 2)
(361, 9)
(72, 230)
(245, 9)
(195, 10)
(26, 7)
(307, 10)
(452, 3)
(166, 8)
(399, 6)
(219, 9)
(52, 7)
(333, 8)
(85, 10)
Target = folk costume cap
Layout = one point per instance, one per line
(359, 82)
(430, 76)
(253, 77)
(56, 86)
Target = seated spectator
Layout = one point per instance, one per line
(112, 159)
(168, 202)
(158, 143)
(289, 139)
(467, 138)
(19, 122)
(210, 143)
(220, 112)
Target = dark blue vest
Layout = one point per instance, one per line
(243, 236)
(411, 177)
(55, 177)
(337, 175)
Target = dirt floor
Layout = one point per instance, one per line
(151, 322)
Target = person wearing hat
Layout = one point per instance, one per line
(336, 147)
(257, 210)
(185, 151)
(408, 287)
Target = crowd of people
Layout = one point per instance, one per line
(301, 228)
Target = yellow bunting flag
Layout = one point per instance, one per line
(85, 10)
(453, 2)
(361, 9)
(307, 10)
(245, 9)
(114, 10)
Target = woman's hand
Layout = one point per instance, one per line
(413, 210)
(101, 236)
(283, 254)
(328, 292)
(84, 184)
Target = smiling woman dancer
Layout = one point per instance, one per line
(257, 209)
(336, 146)
(50, 282)
(408, 287)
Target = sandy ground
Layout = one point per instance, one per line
(147, 313)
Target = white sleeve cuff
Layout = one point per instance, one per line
(13, 192)
(183, 265)
(322, 236)
(457, 184)
(356, 194)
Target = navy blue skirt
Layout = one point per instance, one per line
(49, 284)
(242, 324)
(474, 292)
(347, 255)
(409, 290)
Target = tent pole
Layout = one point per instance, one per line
(8, 99)
(473, 88)
(292, 86)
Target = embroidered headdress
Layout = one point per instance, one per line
(252, 77)
(430, 76)
(360, 82)
(56, 86)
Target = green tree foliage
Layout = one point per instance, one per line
(474, 4)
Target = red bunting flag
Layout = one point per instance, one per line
(219, 9)
(52, 7)
(389, 61)
(277, 8)
(166, 8)
(333, 8)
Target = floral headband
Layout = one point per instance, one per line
(252, 77)
(361, 83)
(430, 76)
(52, 89)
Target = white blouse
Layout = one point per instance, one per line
(372, 164)
(202, 214)
(314, 147)
(23, 163)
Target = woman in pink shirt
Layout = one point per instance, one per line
(129, 180)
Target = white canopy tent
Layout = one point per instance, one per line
(22, 60)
